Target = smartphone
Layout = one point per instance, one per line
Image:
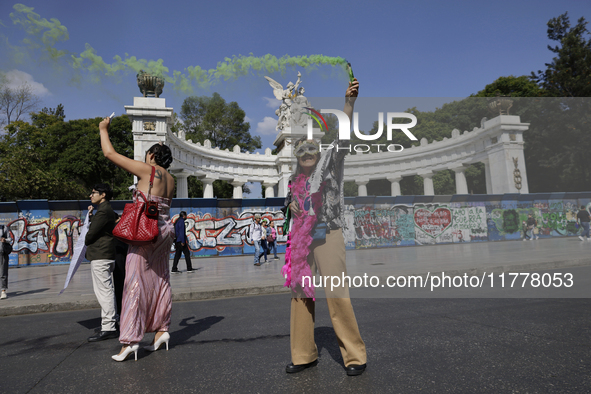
(350, 70)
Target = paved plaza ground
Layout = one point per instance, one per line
(36, 288)
(241, 345)
(239, 342)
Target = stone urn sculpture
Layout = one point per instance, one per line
(150, 85)
(500, 105)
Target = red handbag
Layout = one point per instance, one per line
(139, 222)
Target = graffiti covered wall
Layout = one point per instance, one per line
(45, 232)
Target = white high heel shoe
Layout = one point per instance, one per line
(128, 350)
(164, 338)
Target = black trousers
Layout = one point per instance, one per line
(119, 272)
(264, 249)
(185, 250)
(4, 270)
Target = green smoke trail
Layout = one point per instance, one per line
(44, 35)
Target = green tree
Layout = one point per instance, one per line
(221, 123)
(512, 86)
(65, 158)
(558, 141)
(569, 73)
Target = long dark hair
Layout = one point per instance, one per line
(162, 155)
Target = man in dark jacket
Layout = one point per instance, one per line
(100, 250)
(181, 245)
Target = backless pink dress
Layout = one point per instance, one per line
(147, 299)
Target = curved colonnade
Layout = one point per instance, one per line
(498, 143)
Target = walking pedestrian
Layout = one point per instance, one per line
(181, 244)
(272, 240)
(5, 249)
(583, 218)
(256, 234)
(264, 238)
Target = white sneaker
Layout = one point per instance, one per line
(3, 295)
(537, 237)
(581, 238)
(525, 239)
(588, 239)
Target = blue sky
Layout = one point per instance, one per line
(397, 49)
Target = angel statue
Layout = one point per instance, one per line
(283, 114)
(298, 108)
(287, 96)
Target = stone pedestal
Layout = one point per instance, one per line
(505, 148)
(150, 121)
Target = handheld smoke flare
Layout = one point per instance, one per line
(350, 71)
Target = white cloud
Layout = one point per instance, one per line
(272, 102)
(16, 78)
(267, 126)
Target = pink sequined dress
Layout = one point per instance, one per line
(147, 300)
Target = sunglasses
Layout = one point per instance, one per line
(306, 148)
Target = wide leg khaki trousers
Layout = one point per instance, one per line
(102, 282)
(329, 259)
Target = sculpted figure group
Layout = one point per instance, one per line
(293, 103)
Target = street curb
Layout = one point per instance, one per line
(277, 289)
(178, 297)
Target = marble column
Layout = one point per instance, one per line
(361, 187)
(489, 188)
(182, 190)
(395, 186)
(207, 187)
(269, 189)
(461, 185)
(428, 189)
(237, 192)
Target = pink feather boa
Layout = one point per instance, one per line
(299, 240)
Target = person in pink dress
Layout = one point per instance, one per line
(147, 300)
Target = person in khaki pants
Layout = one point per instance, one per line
(100, 250)
(315, 199)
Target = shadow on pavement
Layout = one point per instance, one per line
(326, 338)
(191, 329)
(90, 323)
(22, 293)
